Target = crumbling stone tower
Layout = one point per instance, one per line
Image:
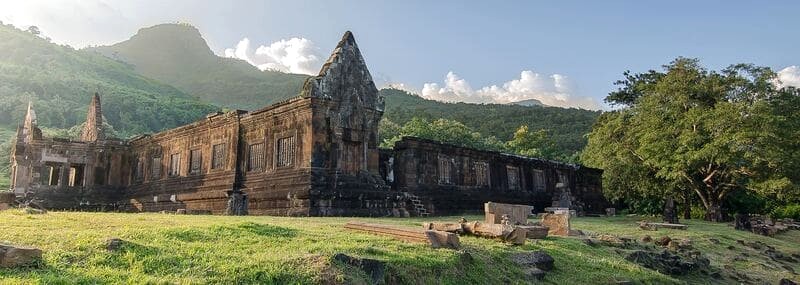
(63, 173)
(93, 129)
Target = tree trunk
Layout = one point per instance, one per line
(713, 210)
(687, 204)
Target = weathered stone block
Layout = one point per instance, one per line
(610, 212)
(559, 224)
(536, 232)
(7, 198)
(441, 239)
(517, 214)
(15, 256)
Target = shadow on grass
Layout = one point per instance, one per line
(45, 273)
(217, 233)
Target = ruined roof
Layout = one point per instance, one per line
(499, 153)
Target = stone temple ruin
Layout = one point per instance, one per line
(312, 155)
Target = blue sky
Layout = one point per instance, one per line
(564, 53)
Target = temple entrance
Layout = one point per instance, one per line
(352, 157)
(76, 172)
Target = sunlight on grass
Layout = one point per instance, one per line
(161, 248)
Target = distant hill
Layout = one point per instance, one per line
(568, 127)
(528, 103)
(178, 55)
(60, 80)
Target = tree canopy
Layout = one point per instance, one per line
(688, 129)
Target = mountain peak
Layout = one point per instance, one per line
(528, 103)
(173, 38)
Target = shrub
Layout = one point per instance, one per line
(789, 211)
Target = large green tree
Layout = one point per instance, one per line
(688, 129)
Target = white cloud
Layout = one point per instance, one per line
(77, 23)
(553, 90)
(789, 76)
(295, 55)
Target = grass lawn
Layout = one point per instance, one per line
(187, 249)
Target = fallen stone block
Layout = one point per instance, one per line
(655, 226)
(113, 244)
(558, 224)
(508, 233)
(15, 256)
(516, 214)
(181, 212)
(536, 232)
(539, 259)
(435, 239)
(445, 227)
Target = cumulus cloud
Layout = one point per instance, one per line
(553, 90)
(295, 55)
(789, 76)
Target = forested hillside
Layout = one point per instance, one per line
(566, 127)
(178, 55)
(60, 80)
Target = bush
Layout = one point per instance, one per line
(698, 212)
(789, 211)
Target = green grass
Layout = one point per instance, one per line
(254, 249)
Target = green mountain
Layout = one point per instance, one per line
(567, 127)
(528, 103)
(60, 80)
(178, 55)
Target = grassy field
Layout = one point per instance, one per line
(167, 249)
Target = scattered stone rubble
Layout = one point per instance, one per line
(508, 223)
(535, 263)
(668, 262)
(16, 256)
(764, 225)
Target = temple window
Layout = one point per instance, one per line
(284, 155)
(445, 170)
(255, 160)
(538, 180)
(155, 168)
(195, 160)
(218, 156)
(175, 164)
(513, 177)
(481, 173)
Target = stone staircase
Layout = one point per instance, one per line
(417, 205)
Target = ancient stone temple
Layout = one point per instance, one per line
(312, 155)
